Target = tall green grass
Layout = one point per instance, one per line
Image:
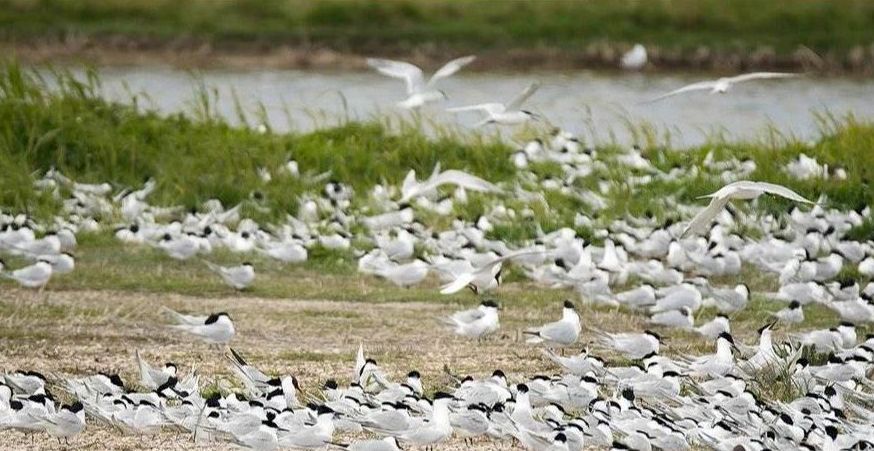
(463, 25)
(198, 156)
(62, 122)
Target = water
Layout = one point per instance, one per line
(597, 106)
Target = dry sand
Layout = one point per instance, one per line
(74, 333)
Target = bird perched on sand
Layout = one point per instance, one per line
(563, 332)
(722, 85)
(503, 114)
(633, 346)
(238, 277)
(419, 92)
(745, 190)
(475, 323)
(216, 328)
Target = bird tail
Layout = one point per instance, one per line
(173, 315)
(551, 356)
(534, 336)
(212, 266)
(142, 365)
(236, 358)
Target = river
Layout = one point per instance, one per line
(596, 105)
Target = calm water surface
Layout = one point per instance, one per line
(596, 105)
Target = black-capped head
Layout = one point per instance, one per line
(765, 327)
(560, 438)
(653, 334)
(489, 303)
(414, 375)
(499, 373)
(115, 379)
(794, 305)
(726, 336)
(628, 393)
(568, 304)
(831, 431)
(522, 388)
(215, 317)
(442, 395)
(76, 407)
(330, 384)
(324, 410)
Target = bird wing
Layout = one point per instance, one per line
(145, 371)
(523, 96)
(359, 362)
(490, 108)
(450, 68)
(216, 268)
(699, 86)
(700, 222)
(465, 180)
(187, 320)
(467, 316)
(762, 76)
(558, 331)
(410, 73)
(458, 284)
(781, 191)
(453, 177)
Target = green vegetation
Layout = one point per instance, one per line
(738, 26)
(198, 156)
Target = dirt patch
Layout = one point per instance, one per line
(74, 333)
(192, 53)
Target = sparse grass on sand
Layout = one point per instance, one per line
(67, 333)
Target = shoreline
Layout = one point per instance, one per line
(198, 54)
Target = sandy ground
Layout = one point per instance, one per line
(74, 333)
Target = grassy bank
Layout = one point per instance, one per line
(683, 32)
(196, 156)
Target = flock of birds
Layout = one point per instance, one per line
(663, 271)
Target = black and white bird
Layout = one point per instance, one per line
(631, 345)
(217, 328)
(563, 332)
(237, 277)
(503, 114)
(475, 323)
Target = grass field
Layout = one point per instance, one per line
(309, 319)
(681, 31)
